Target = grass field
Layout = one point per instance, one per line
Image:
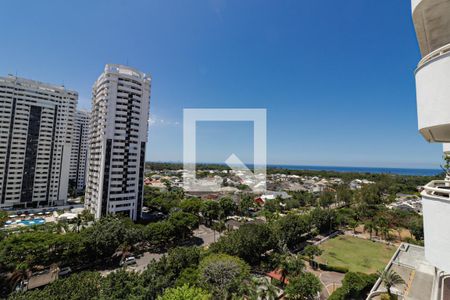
(356, 254)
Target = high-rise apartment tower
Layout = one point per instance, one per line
(118, 136)
(36, 122)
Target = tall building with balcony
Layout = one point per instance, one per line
(118, 136)
(426, 270)
(78, 156)
(36, 124)
(432, 23)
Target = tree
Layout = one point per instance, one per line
(191, 205)
(266, 291)
(416, 229)
(219, 227)
(108, 233)
(249, 242)
(292, 229)
(272, 205)
(344, 194)
(311, 251)
(306, 286)
(354, 286)
(290, 265)
(3, 217)
(326, 199)
(40, 248)
(159, 234)
(84, 285)
(123, 251)
(222, 274)
(390, 279)
(121, 284)
(323, 219)
(227, 206)
(22, 272)
(370, 227)
(283, 269)
(210, 211)
(246, 204)
(183, 223)
(185, 292)
(353, 224)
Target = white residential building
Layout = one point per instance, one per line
(426, 271)
(432, 23)
(36, 123)
(118, 129)
(78, 157)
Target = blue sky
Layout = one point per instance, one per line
(336, 77)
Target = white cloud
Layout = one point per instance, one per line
(154, 120)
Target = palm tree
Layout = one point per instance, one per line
(369, 226)
(267, 290)
(123, 251)
(22, 273)
(384, 230)
(312, 251)
(353, 224)
(283, 268)
(390, 278)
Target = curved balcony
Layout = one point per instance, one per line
(436, 212)
(446, 148)
(433, 95)
(432, 23)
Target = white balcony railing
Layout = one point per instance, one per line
(436, 214)
(433, 94)
(437, 189)
(433, 55)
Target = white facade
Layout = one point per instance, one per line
(36, 122)
(78, 156)
(118, 128)
(432, 24)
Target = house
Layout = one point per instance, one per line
(276, 275)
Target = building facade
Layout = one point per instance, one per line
(78, 156)
(429, 267)
(118, 137)
(36, 121)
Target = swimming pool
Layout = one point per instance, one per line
(37, 221)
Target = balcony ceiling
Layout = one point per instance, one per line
(432, 23)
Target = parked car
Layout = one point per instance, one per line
(64, 271)
(131, 260)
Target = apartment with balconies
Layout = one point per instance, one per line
(78, 156)
(36, 125)
(426, 270)
(118, 136)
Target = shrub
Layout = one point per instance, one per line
(332, 268)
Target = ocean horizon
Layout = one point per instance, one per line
(372, 170)
(343, 169)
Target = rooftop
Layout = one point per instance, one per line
(409, 262)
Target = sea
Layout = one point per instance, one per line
(397, 171)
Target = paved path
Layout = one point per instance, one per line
(205, 234)
(330, 281)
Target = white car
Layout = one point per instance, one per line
(131, 260)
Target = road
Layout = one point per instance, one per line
(205, 234)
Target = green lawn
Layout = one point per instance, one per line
(357, 255)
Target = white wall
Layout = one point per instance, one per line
(436, 215)
(433, 99)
